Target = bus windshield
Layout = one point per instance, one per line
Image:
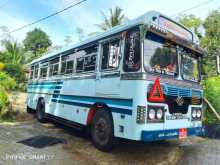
(189, 65)
(160, 56)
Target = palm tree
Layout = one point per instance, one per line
(116, 18)
(13, 52)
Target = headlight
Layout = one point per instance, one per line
(198, 113)
(194, 113)
(152, 114)
(159, 114)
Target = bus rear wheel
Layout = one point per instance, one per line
(40, 111)
(102, 131)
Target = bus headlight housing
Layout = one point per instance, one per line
(196, 113)
(155, 114)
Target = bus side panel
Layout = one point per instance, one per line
(70, 103)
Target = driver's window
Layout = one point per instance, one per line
(110, 55)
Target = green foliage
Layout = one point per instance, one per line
(6, 84)
(13, 53)
(116, 18)
(37, 41)
(16, 71)
(191, 22)
(212, 93)
(211, 41)
(3, 98)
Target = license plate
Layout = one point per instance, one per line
(182, 133)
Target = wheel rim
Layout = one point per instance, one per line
(102, 131)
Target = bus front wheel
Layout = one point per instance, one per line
(40, 111)
(102, 131)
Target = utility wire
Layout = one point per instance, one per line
(44, 18)
(194, 7)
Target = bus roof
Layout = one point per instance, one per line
(143, 19)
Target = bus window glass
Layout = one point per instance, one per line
(54, 67)
(110, 55)
(132, 51)
(189, 66)
(86, 60)
(89, 63)
(69, 67)
(67, 64)
(36, 69)
(32, 72)
(160, 56)
(43, 70)
(80, 63)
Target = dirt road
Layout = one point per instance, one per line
(77, 148)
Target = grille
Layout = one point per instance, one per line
(176, 91)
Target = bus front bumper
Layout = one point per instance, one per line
(170, 134)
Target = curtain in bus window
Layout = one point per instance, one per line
(110, 56)
(132, 51)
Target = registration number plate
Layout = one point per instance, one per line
(182, 133)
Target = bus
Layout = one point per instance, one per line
(138, 81)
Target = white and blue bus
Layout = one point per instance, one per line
(138, 81)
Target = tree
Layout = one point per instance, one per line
(191, 22)
(211, 41)
(13, 53)
(116, 18)
(37, 41)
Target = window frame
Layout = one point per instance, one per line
(177, 53)
(70, 58)
(52, 65)
(109, 40)
(95, 53)
(43, 66)
(136, 28)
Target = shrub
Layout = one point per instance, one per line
(6, 82)
(16, 71)
(212, 93)
(3, 98)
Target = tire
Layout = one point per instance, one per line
(29, 110)
(40, 111)
(102, 131)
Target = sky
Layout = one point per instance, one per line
(16, 13)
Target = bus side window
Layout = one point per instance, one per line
(54, 67)
(132, 51)
(36, 69)
(110, 55)
(86, 61)
(32, 72)
(43, 70)
(67, 65)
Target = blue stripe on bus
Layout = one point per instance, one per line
(119, 102)
(56, 91)
(113, 109)
(45, 87)
(47, 83)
